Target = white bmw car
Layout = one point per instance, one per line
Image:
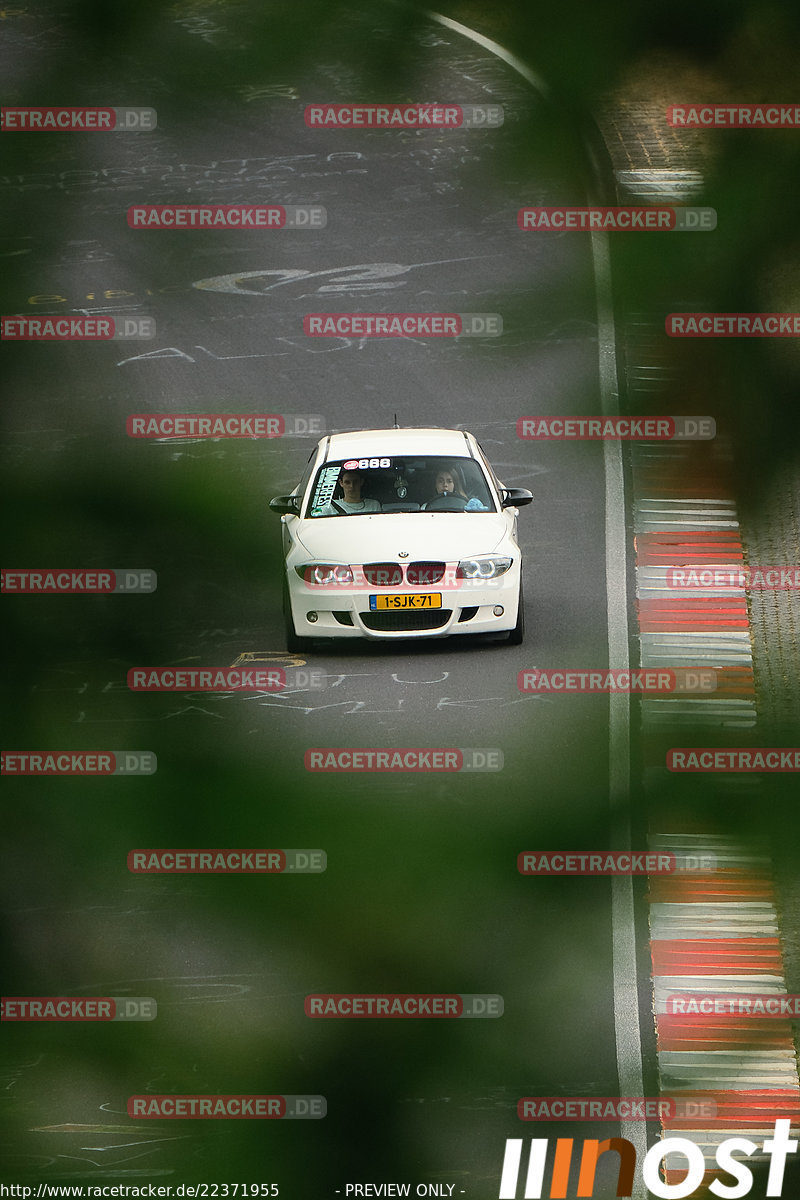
(398, 533)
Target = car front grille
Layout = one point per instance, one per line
(424, 574)
(383, 574)
(417, 574)
(406, 622)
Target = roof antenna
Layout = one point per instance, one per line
(396, 426)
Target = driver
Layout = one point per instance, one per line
(350, 501)
(449, 483)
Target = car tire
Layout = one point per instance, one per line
(294, 644)
(517, 635)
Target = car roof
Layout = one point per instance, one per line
(370, 443)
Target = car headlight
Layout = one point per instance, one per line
(320, 574)
(488, 567)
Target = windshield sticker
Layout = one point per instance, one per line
(366, 464)
(326, 485)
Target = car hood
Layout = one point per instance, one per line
(442, 537)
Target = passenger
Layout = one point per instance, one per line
(350, 501)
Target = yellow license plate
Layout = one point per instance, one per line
(409, 600)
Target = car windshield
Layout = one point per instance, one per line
(364, 486)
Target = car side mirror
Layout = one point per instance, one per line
(515, 497)
(285, 504)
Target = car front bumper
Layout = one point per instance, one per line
(343, 611)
